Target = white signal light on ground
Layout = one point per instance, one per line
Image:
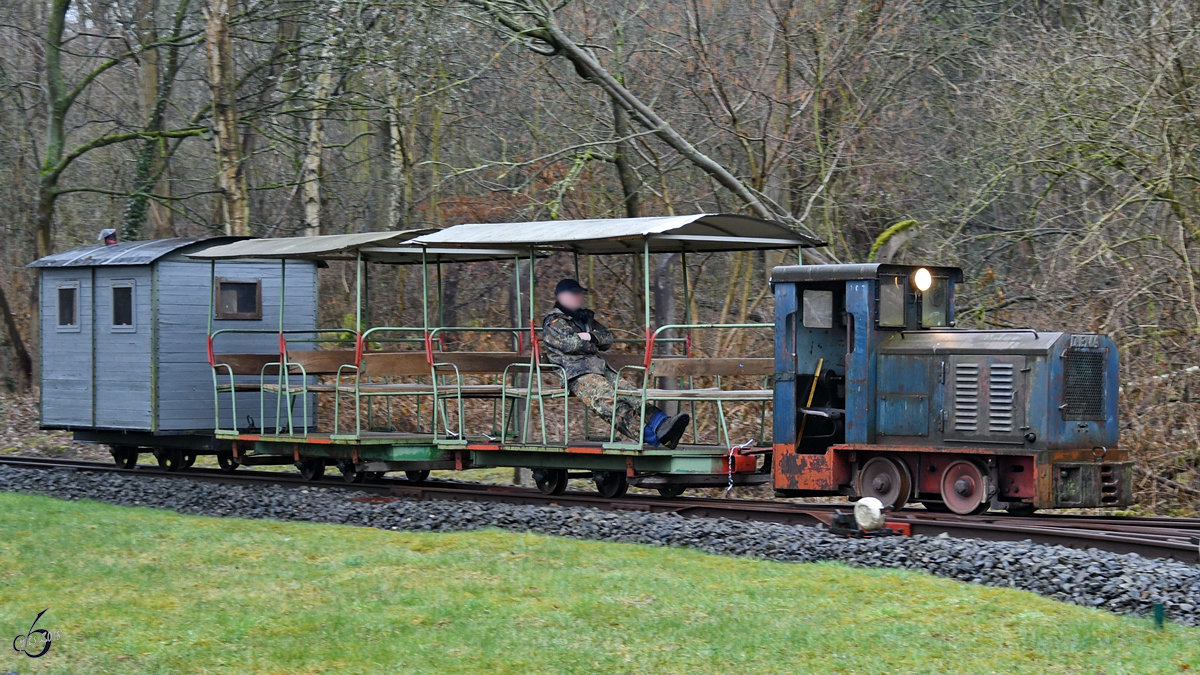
(922, 279)
(868, 513)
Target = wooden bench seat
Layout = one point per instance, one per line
(232, 365)
(478, 364)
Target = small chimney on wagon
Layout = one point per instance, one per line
(108, 235)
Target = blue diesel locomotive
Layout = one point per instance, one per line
(878, 394)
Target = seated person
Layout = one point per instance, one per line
(574, 340)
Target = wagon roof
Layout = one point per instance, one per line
(123, 253)
(408, 255)
(319, 247)
(664, 234)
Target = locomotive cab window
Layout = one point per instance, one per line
(122, 306)
(239, 299)
(68, 307)
(935, 303)
(818, 309)
(893, 292)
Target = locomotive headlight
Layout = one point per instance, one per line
(922, 279)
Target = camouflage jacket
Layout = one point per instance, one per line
(565, 348)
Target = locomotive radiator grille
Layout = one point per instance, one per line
(966, 397)
(1000, 397)
(1083, 386)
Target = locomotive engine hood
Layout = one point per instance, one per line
(1035, 389)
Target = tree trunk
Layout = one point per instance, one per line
(310, 173)
(20, 353)
(231, 173)
(156, 79)
(57, 105)
(621, 154)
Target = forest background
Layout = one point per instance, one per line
(1048, 147)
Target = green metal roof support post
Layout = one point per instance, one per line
(535, 353)
(517, 291)
(212, 291)
(646, 284)
(425, 292)
(687, 345)
(358, 294)
(283, 392)
(441, 300)
(641, 440)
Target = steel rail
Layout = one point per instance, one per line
(1152, 537)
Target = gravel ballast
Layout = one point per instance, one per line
(1121, 583)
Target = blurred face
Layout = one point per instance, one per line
(572, 300)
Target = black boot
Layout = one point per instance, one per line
(671, 429)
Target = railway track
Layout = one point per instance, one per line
(1152, 537)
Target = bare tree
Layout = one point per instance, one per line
(222, 80)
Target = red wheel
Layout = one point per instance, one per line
(965, 488)
(886, 479)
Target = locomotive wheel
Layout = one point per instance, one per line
(671, 491)
(350, 472)
(124, 456)
(965, 488)
(886, 479)
(550, 481)
(189, 460)
(611, 484)
(227, 463)
(417, 475)
(311, 469)
(169, 460)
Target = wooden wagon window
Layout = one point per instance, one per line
(68, 306)
(239, 299)
(122, 306)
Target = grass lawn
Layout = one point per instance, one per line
(152, 591)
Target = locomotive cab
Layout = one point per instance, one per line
(877, 393)
(833, 318)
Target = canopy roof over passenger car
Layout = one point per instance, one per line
(702, 232)
(317, 247)
(378, 247)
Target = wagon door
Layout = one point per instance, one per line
(67, 396)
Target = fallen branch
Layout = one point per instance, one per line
(1174, 485)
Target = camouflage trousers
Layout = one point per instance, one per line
(596, 391)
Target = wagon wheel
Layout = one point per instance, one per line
(311, 469)
(169, 459)
(551, 482)
(227, 463)
(417, 475)
(350, 471)
(671, 491)
(611, 484)
(886, 479)
(964, 488)
(124, 456)
(189, 460)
